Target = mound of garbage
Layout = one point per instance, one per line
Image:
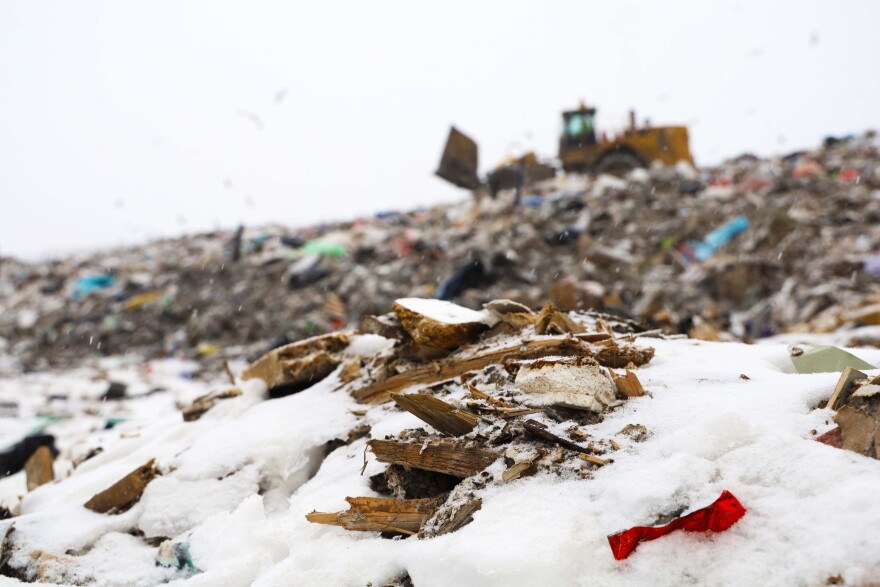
(747, 249)
(438, 445)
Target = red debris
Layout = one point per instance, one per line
(717, 517)
(831, 438)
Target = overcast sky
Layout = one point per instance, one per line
(123, 121)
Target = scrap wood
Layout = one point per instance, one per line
(443, 416)
(844, 388)
(459, 517)
(592, 459)
(540, 430)
(299, 363)
(552, 321)
(448, 456)
(380, 514)
(203, 403)
(615, 356)
(628, 385)
(38, 468)
(123, 494)
(717, 517)
(477, 394)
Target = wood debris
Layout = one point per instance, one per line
(123, 494)
(540, 430)
(451, 457)
(439, 324)
(592, 459)
(628, 385)
(455, 518)
(552, 321)
(298, 365)
(844, 388)
(443, 416)
(204, 403)
(608, 355)
(39, 468)
(380, 514)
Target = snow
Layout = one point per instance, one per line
(238, 482)
(446, 312)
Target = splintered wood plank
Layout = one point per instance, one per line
(607, 353)
(441, 455)
(443, 416)
(629, 384)
(38, 468)
(844, 387)
(123, 494)
(379, 514)
(463, 516)
(540, 430)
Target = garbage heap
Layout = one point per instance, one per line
(499, 394)
(747, 249)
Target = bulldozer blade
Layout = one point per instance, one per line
(459, 162)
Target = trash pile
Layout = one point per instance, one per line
(748, 249)
(440, 445)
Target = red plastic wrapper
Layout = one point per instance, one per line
(717, 517)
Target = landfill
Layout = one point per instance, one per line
(555, 393)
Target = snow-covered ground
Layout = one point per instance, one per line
(237, 484)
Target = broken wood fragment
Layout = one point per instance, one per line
(518, 470)
(615, 356)
(844, 388)
(38, 468)
(386, 325)
(449, 456)
(204, 403)
(439, 324)
(540, 430)
(552, 321)
(628, 385)
(592, 459)
(299, 365)
(379, 514)
(453, 518)
(443, 416)
(123, 494)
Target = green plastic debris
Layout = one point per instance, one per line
(808, 358)
(325, 247)
(175, 555)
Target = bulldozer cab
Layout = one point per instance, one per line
(578, 128)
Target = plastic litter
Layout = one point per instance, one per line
(717, 517)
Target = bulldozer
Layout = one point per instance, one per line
(581, 150)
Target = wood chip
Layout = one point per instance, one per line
(593, 459)
(628, 385)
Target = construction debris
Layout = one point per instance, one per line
(38, 468)
(377, 514)
(123, 494)
(296, 366)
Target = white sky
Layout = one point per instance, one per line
(122, 121)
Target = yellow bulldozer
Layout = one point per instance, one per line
(581, 150)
